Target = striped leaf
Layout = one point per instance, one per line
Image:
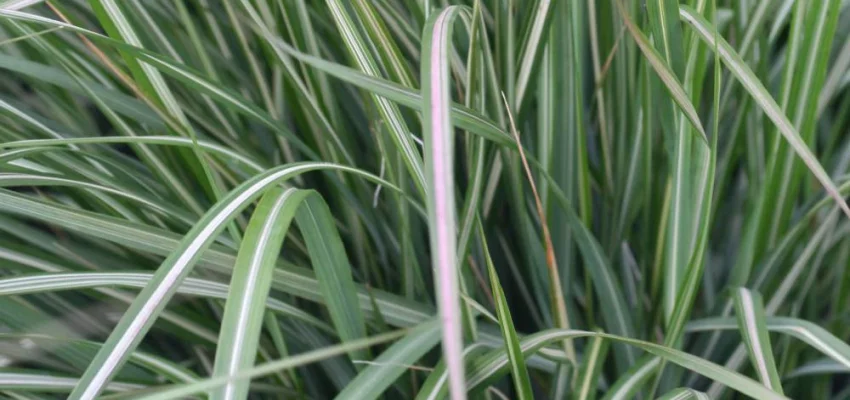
(439, 156)
(749, 309)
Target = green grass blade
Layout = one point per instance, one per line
(60, 281)
(762, 97)
(314, 111)
(594, 360)
(628, 385)
(182, 73)
(249, 287)
(532, 46)
(146, 307)
(390, 365)
(519, 372)
(274, 366)
(47, 383)
(118, 101)
(803, 85)
(462, 116)
(684, 394)
(16, 180)
(683, 217)
(294, 280)
(751, 322)
(209, 147)
(810, 333)
(333, 270)
(615, 310)
(173, 372)
(819, 367)
(18, 4)
(151, 82)
(668, 33)
(388, 111)
(487, 367)
(439, 152)
(671, 83)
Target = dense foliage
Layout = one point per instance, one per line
(424, 199)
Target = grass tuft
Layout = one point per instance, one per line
(332, 199)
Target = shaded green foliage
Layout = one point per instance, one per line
(424, 199)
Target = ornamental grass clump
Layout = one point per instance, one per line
(420, 199)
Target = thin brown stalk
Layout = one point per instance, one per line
(556, 291)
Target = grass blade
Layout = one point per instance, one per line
(762, 97)
(819, 367)
(389, 366)
(491, 365)
(333, 270)
(47, 383)
(16, 180)
(294, 280)
(808, 332)
(532, 47)
(522, 384)
(43, 343)
(249, 287)
(556, 292)
(439, 139)
(146, 307)
(388, 111)
(211, 148)
(153, 85)
(684, 394)
(751, 322)
(18, 4)
(594, 360)
(59, 281)
(118, 101)
(671, 83)
(271, 367)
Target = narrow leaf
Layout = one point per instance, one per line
(762, 97)
(751, 321)
(442, 224)
(249, 287)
